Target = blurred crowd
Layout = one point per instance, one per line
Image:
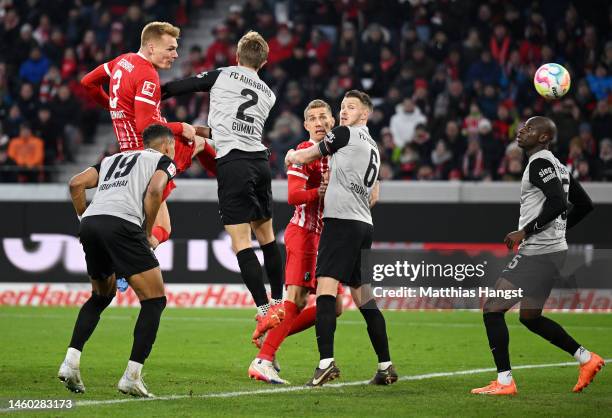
(451, 80)
(45, 49)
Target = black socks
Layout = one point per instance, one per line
(88, 318)
(146, 328)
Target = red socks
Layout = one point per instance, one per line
(277, 335)
(305, 320)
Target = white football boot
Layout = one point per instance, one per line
(264, 370)
(71, 376)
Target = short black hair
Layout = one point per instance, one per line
(363, 98)
(155, 132)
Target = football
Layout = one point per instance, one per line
(552, 81)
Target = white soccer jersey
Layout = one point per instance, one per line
(239, 106)
(543, 167)
(123, 181)
(353, 170)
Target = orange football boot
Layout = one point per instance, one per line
(496, 388)
(270, 320)
(588, 371)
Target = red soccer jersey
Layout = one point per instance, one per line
(133, 100)
(307, 178)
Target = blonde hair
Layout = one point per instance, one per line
(252, 50)
(155, 30)
(316, 104)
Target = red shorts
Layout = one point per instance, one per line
(183, 152)
(301, 246)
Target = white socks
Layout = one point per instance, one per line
(384, 365)
(582, 355)
(133, 370)
(505, 378)
(262, 310)
(324, 364)
(73, 357)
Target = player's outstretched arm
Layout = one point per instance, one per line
(302, 156)
(333, 141)
(94, 83)
(201, 82)
(581, 203)
(87, 179)
(153, 199)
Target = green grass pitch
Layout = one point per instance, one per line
(202, 356)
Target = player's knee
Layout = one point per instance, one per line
(490, 318)
(101, 302)
(339, 307)
(528, 320)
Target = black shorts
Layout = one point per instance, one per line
(244, 187)
(339, 257)
(535, 274)
(114, 245)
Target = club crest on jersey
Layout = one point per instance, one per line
(148, 88)
(172, 170)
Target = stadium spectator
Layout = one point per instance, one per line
(442, 161)
(27, 102)
(218, 53)
(28, 153)
(605, 159)
(46, 129)
(67, 113)
(600, 82)
(34, 69)
(404, 122)
(601, 120)
(281, 45)
(473, 161)
(511, 167)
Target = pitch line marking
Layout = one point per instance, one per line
(304, 388)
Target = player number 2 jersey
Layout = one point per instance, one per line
(239, 106)
(541, 169)
(123, 181)
(353, 166)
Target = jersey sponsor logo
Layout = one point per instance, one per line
(330, 137)
(148, 88)
(202, 74)
(545, 171)
(128, 66)
(172, 170)
(549, 177)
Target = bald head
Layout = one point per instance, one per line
(543, 126)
